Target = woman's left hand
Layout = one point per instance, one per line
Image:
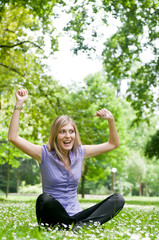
(104, 113)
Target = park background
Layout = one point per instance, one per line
(76, 57)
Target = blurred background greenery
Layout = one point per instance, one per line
(128, 85)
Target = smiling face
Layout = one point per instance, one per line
(66, 138)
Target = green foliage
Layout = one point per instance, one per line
(29, 23)
(136, 140)
(22, 42)
(125, 186)
(135, 167)
(152, 149)
(152, 178)
(30, 188)
(41, 9)
(137, 33)
(122, 53)
(28, 171)
(42, 106)
(82, 104)
(3, 178)
(24, 27)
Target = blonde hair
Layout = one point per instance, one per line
(60, 122)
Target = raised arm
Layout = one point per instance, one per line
(94, 150)
(25, 146)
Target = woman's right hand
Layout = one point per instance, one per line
(21, 95)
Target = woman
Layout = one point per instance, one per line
(60, 162)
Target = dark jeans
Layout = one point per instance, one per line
(50, 212)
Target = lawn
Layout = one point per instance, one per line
(18, 221)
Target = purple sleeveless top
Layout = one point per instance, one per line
(59, 182)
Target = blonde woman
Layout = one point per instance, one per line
(60, 163)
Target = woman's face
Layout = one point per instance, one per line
(66, 138)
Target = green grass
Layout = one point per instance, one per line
(131, 201)
(18, 221)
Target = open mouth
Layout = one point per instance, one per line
(67, 142)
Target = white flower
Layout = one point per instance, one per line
(135, 236)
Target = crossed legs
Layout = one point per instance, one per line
(50, 211)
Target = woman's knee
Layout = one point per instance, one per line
(120, 201)
(44, 202)
(44, 198)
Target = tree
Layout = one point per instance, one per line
(82, 103)
(151, 149)
(137, 32)
(136, 170)
(122, 54)
(152, 178)
(40, 9)
(7, 155)
(136, 139)
(23, 29)
(27, 172)
(42, 107)
(21, 53)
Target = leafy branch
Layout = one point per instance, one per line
(20, 43)
(12, 69)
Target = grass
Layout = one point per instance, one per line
(150, 201)
(18, 221)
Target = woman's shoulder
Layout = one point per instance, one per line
(81, 147)
(46, 150)
(45, 146)
(46, 153)
(81, 150)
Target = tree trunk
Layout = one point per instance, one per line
(140, 191)
(82, 185)
(113, 182)
(18, 183)
(7, 187)
(146, 190)
(83, 179)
